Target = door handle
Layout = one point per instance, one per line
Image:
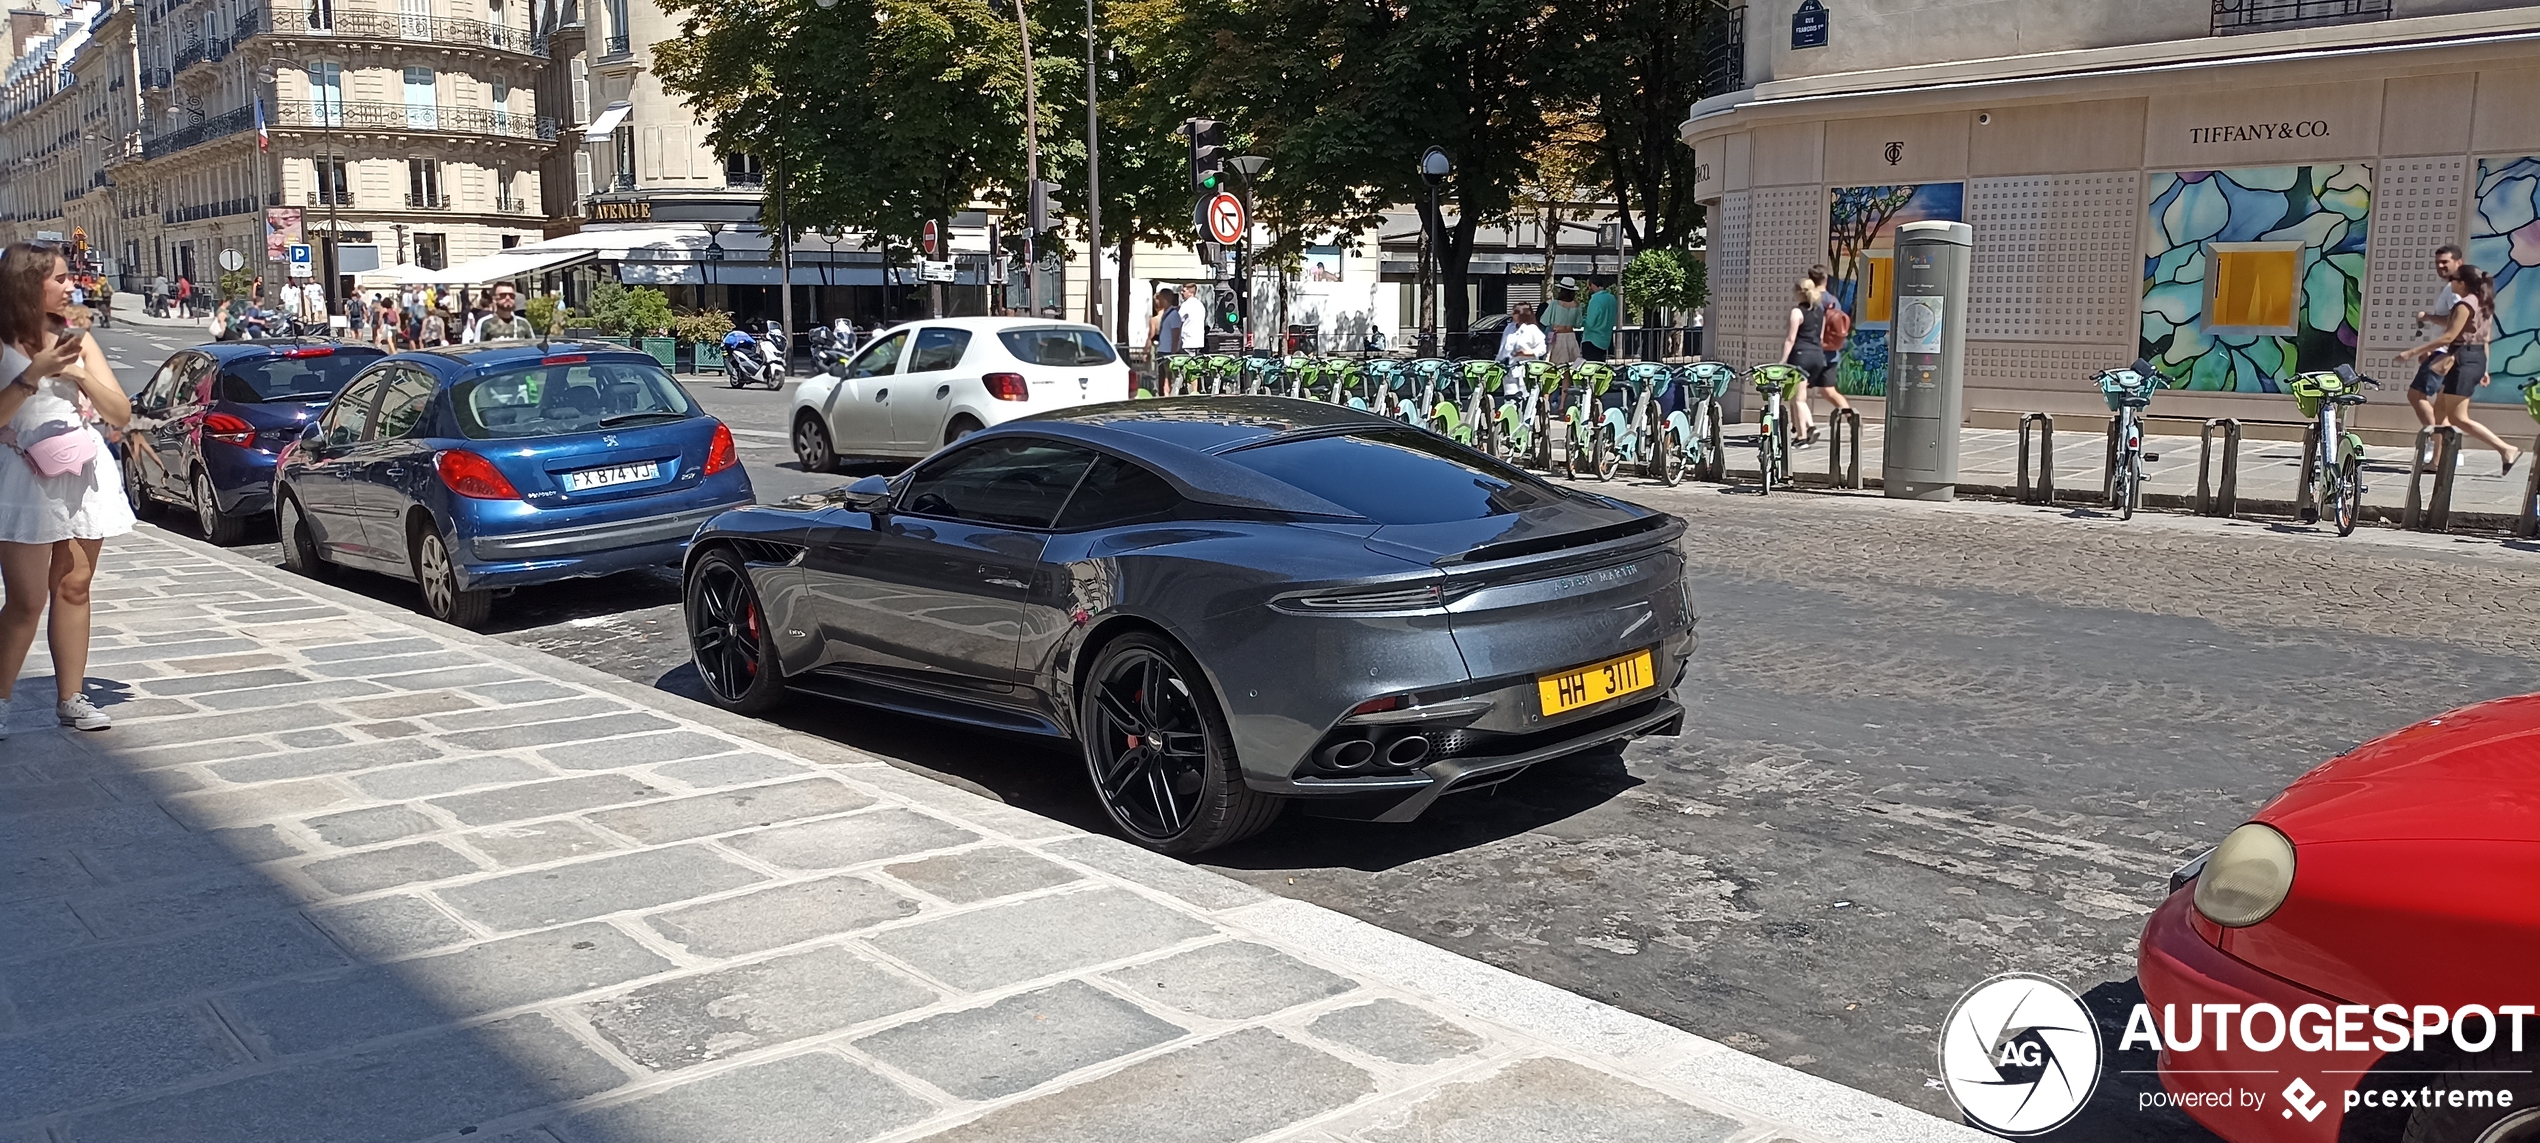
(1016, 584)
(394, 471)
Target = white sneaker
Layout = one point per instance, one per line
(81, 714)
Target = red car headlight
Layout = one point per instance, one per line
(2247, 878)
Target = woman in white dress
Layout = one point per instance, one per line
(55, 386)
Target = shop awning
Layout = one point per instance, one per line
(600, 128)
(518, 262)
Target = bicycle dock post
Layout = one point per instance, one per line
(2528, 526)
(1846, 427)
(2043, 490)
(2303, 505)
(2433, 513)
(2218, 496)
(2108, 470)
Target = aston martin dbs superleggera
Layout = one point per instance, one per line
(1228, 603)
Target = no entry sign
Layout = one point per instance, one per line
(1226, 218)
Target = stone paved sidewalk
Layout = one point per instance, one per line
(342, 874)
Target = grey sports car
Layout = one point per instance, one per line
(1228, 603)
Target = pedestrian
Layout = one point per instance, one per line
(104, 304)
(1164, 327)
(1194, 319)
(184, 296)
(2428, 383)
(503, 323)
(1803, 345)
(1596, 330)
(2465, 333)
(436, 328)
(1523, 340)
(62, 495)
(1561, 322)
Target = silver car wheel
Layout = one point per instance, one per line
(434, 563)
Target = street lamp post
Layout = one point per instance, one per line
(1434, 167)
(713, 254)
(1093, 179)
(1031, 162)
(784, 274)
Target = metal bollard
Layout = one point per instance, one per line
(2219, 496)
(2529, 526)
(2043, 491)
(2434, 513)
(1846, 427)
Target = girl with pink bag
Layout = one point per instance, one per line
(61, 493)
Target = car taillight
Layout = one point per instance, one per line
(1133, 383)
(309, 351)
(1007, 386)
(720, 455)
(229, 429)
(472, 476)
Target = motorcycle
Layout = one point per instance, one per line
(827, 350)
(745, 361)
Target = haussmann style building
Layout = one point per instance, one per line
(2235, 189)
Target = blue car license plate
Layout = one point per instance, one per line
(610, 477)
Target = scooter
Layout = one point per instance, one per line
(827, 351)
(778, 352)
(747, 362)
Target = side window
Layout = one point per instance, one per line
(938, 349)
(1016, 481)
(1117, 492)
(878, 358)
(409, 394)
(162, 387)
(194, 386)
(347, 421)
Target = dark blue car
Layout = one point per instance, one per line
(208, 426)
(478, 468)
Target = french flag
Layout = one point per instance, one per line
(264, 138)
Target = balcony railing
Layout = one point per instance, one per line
(510, 204)
(399, 26)
(226, 123)
(427, 202)
(223, 208)
(155, 78)
(618, 48)
(2232, 17)
(405, 117)
(1723, 67)
(321, 198)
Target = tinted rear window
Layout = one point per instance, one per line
(553, 400)
(1058, 345)
(1397, 476)
(257, 380)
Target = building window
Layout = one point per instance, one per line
(742, 171)
(423, 184)
(622, 141)
(423, 112)
(432, 251)
(2251, 287)
(332, 183)
(326, 93)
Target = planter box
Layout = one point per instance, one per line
(664, 350)
(709, 357)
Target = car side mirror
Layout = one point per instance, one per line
(871, 494)
(837, 369)
(313, 439)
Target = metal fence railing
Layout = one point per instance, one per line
(2232, 17)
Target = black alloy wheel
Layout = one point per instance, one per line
(299, 545)
(1158, 752)
(728, 637)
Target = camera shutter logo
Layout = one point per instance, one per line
(1895, 153)
(2020, 1055)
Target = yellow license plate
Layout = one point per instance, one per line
(1595, 683)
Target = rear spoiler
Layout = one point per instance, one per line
(1563, 541)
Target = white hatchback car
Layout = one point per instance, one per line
(919, 386)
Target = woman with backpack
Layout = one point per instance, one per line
(2464, 335)
(1804, 344)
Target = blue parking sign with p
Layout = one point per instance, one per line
(300, 253)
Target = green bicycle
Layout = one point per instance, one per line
(2336, 481)
(1776, 383)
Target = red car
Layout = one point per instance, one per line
(2364, 954)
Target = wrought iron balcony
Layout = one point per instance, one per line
(348, 25)
(224, 124)
(618, 48)
(339, 198)
(376, 116)
(220, 209)
(427, 202)
(2233, 17)
(510, 204)
(155, 78)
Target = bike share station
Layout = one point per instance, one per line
(1925, 389)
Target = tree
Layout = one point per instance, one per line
(1633, 67)
(877, 116)
(1854, 220)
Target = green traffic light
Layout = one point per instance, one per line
(1208, 181)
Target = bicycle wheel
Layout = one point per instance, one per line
(1670, 458)
(2129, 489)
(2349, 506)
(1715, 448)
(1764, 452)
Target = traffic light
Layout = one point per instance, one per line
(1208, 156)
(1227, 315)
(1038, 212)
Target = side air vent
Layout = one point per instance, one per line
(774, 552)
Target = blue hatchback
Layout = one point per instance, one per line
(209, 425)
(477, 468)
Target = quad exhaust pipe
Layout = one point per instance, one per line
(1358, 753)
(1407, 751)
